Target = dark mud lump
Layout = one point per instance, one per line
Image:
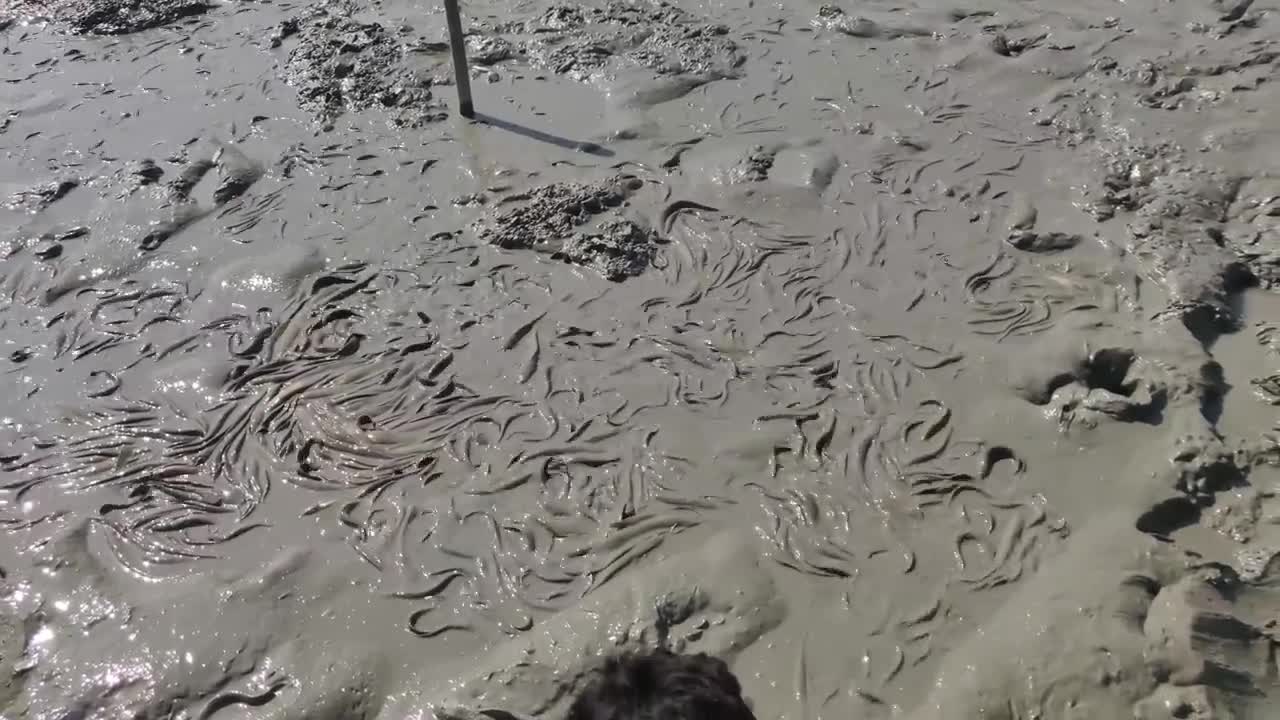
(562, 218)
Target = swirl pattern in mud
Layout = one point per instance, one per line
(730, 329)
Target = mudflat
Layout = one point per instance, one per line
(922, 360)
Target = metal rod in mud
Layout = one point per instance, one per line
(460, 74)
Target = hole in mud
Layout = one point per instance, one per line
(1229, 679)
(1053, 385)
(1108, 370)
(1223, 475)
(1169, 516)
(1215, 393)
(1207, 322)
(999, 454)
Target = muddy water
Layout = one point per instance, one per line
(919, 359)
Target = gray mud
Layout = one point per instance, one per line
(110, 17)
(920, 360)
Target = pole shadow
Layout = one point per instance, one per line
(589, 148)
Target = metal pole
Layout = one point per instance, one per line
(460, 74)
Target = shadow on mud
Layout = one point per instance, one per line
(589, 148)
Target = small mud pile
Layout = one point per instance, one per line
(341, 65)
(112, 17)
(1179, 217)
(555, 218)
(43, 195)
(589, 43)
(616, 249)
(576, 40)
(831, 17)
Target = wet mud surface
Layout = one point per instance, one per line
(946, 333)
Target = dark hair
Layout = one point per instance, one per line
(661, 685)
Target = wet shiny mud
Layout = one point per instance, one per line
(919, 360)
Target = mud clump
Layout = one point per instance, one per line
(1043, 242)
(43, 195)
(340, 65)
(1253, 228)
(115, 17)
(1180, 215)
(754, 166)
(489, 49)
(831, 17)
(576, 41)
(145, 172)
(558, 217)
(617, 249)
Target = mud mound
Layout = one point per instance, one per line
(616, 249)
(576, 40)
(554, 218)
(41, 196)
(671, 49)
(340, 65)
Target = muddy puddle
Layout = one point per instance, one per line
(921, 360)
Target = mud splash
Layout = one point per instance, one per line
(947, 333)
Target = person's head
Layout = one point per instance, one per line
(661, 685)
